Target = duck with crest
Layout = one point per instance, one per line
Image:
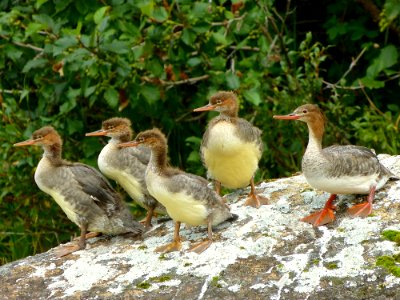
(85, 196)
(127, 166)
(337, 169)
(186, 196)
(231, 147)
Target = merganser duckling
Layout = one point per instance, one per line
(85, 196)
(337, 169)
(127, 166)
(231, 147)
(186, 197)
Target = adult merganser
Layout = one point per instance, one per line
(127, 166)
(185, 196)
(337, 169)
(82, 192)
(231, 147)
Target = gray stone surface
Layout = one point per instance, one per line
(266, 254)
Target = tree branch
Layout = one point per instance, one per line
(22, 44)
(173, 83)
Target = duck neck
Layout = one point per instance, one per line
(123, 138)
(158, 159)
(53, 153)
(316, 132)
(231, 113)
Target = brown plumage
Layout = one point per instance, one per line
(185, 196)
(231, 147)
(82, 192)
(337, 169)
(127, 166)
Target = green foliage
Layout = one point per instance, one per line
(390, 263)
(73, 64)
(392, 235)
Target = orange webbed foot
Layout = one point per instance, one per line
(200, 246)
(67, 249)
(174, 246)
(89, 235)
(321, 217)
(360, 210)
(256, 200)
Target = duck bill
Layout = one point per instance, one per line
(287, 117)
(128, 144)
(25, 143)
(207, 107)
(100, 132)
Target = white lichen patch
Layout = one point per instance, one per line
(40, 271)
(234, 288)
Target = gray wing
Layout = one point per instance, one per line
(249, 133)
(194, 185)
(353, 160)
(133, 161)
(94, 184)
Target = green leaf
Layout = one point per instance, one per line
(188, 36)
(220, 38)
(70, 104)
(112, 97)
(372, 83)
(90, 90)
(194, 61)
(117, 47)
(39, 3)
(388, 57)
(99, 14)
(33, 28)
(34, 63)
(160, 14)
(12, 52)
(150, 93)
(146, 7)
(64, 43)
(232, 81)
(252, 96)
(74, 126)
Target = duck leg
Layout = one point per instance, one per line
(363, 209)
(68, 249)
(147, 220)
(203, 245)
(253, 199)
(176, 244)
(217, 185)
(324, 216)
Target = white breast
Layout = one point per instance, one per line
(346, 184)
(60, 199)
(129, 183)
(228, 159)
(180, 206)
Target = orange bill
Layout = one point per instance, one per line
(25, 143)
(207, 107)
(100, 132)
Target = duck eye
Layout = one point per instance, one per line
(219, 101)
(305, 111)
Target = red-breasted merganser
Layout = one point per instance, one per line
(231, 147)
(82, 192)
(127, 166)
(337, 169)
(185, 196)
